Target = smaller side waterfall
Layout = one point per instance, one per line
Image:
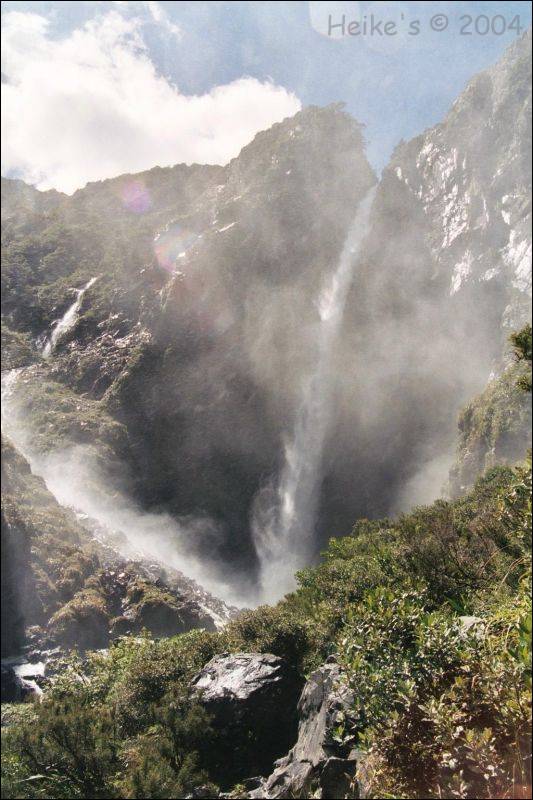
(67, 321)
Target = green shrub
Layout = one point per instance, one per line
(138, 672)
(522, 343)
(457, 723)
(164, 762)
(269, 629)
(82, 622)
(69, 750)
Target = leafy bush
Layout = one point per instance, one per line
(116, 725)
(164, 762)
(70, 749)
(84, 618)
(455, 722)
(269, 630)
(522, 343)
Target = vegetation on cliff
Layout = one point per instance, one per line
(47, 555)
(495, 424)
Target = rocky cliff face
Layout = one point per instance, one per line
(195, 339)
(472, 176)
(444, 280)
(493, 428)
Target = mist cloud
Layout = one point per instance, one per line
(73, 474)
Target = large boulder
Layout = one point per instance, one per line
(153, 605)
(251, 698)
(318, 765)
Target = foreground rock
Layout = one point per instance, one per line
(318, 765)
(12, 690)
(20, 680)
(252, 699)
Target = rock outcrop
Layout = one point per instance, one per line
(493, 428)
(444, 279)
(12, 690)
(251, 698)
(21, 679)
(319, 764)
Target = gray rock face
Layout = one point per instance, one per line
(237, 679)
(445, 276)
(252, 699)
(20, 680)
(11, 686)
(317, 765)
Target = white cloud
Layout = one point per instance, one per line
(92, 105)
(160, 17)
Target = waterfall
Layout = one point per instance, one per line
(73, 475)
(67, 321)
(284, 514)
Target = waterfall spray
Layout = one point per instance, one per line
(67, 321)
(284, 514)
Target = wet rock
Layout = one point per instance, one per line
(251, 698)
(19, 681)
(318, 765)
(337, 776)
(203, 792)
(11, 687)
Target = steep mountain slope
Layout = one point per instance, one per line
(472, 176)
(201, 327)
(188, 360)
(75, 590)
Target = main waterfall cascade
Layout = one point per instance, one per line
(285, 512)
(67, 321)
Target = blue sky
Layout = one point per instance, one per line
(397, 86)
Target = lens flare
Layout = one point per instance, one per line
(171, 245)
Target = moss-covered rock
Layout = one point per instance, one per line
(83, 622)
(18, 349)
(47, 555)
(160, 610)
